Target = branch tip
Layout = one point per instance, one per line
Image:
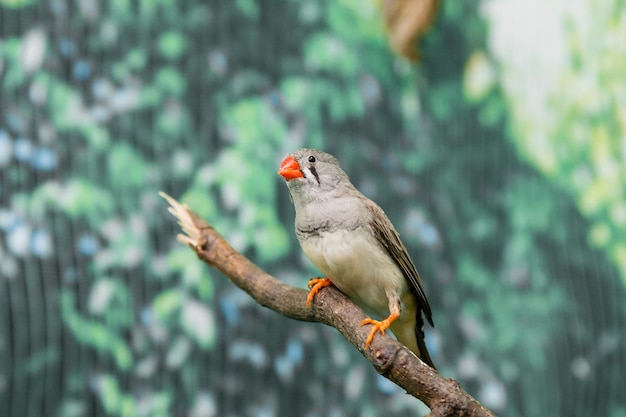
(185, 219)
(186, 240)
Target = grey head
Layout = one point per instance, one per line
(314, 176)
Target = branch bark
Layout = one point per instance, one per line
(443, 396)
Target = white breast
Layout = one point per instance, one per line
(359, 266)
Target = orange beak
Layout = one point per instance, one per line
(289, 169)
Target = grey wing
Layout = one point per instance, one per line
(390, 239)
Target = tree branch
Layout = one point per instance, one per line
(392, 360)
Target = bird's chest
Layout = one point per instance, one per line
(357, 265)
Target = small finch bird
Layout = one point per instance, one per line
(349, 239)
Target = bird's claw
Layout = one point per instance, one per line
(379, 326)
(316, 284)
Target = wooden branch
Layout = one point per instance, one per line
(391, 359)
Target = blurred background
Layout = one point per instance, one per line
(500, 157)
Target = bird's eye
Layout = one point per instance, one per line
(311, 159)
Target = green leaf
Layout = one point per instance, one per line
(202, 203)
(12, 72)
(178, 352)
(111, 299)
(172, 45)
(167, 303)
(198, 322)
(126, 167)
(110, 394)
(67, 111)
(325, 52)
(95, 334)
(249, 8)
(296, 93)
(136, 59)
(149, 96)
(479, 77)
(365, 25)
(170, 81)
(78, 199)
(16, 4)
(128, 406)
(272, 242)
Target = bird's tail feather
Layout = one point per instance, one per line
(421, 346)
(413, 338)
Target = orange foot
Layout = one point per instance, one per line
(316, 284)
(378, 326)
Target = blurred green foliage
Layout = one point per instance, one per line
(102, 105)
(578, 139)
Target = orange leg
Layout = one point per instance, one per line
(379, 326)
(316, 284)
